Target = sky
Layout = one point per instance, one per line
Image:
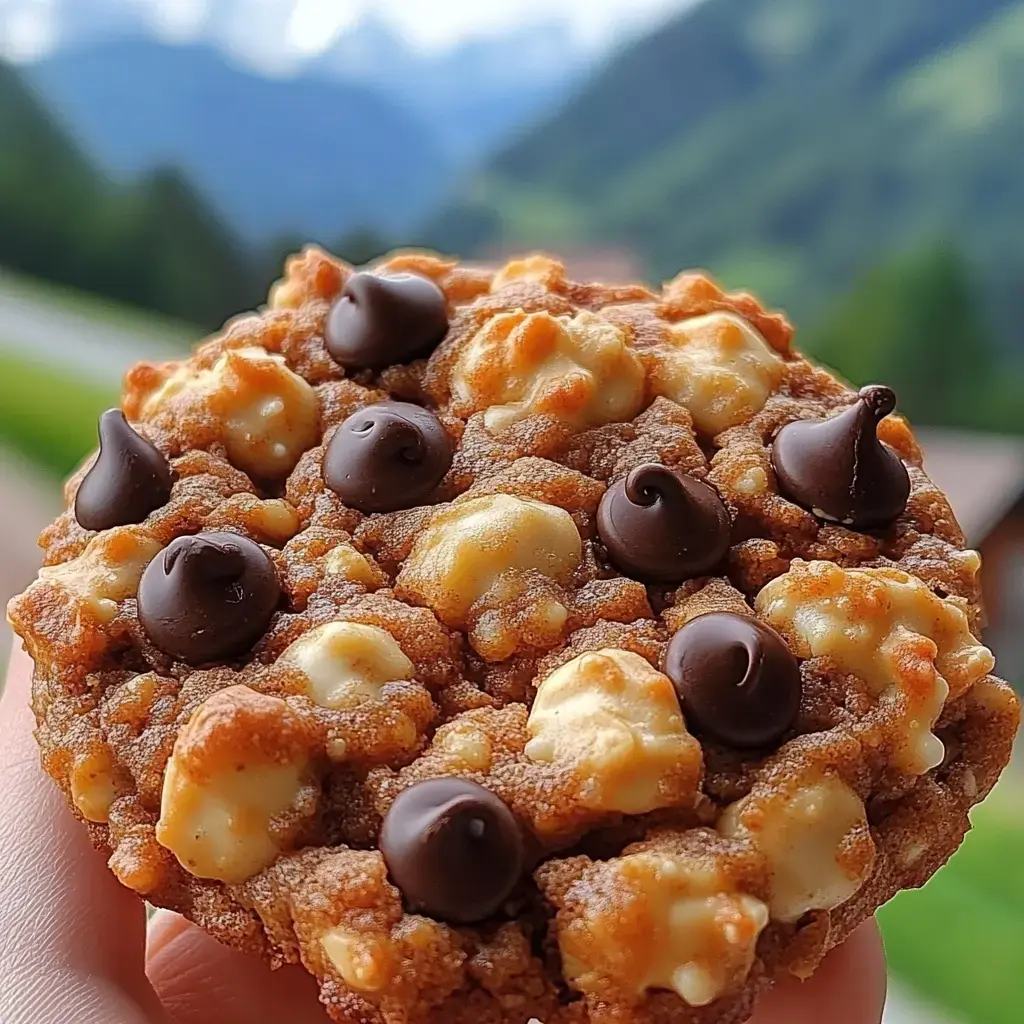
(282, 31)
(436, 23)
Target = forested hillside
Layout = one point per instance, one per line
(789, 144)
(152, 242)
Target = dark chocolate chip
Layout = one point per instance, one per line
(208, 597)
(662, 526)
(839, 470)
(129, 479)
(453, 849)
(384, 319)
(736, 678)
(387, 456)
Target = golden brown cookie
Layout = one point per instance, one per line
(501, 646)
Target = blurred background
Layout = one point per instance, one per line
(859, 163)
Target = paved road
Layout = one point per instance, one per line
(99, 348)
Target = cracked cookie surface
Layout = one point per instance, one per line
(500, 646)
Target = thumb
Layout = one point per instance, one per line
(72, 939)
(847, 988)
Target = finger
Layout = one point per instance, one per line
(202, 982)
(72, 940)
(847, 988)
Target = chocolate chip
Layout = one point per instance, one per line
(736, 678)
(387, 456)
(129, 479)
(453, 849)
(662, 526)
(208, 597)
(839, 470)
(380, 320)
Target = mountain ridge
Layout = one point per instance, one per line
(477, 94)
(137, 104)
(367, 134)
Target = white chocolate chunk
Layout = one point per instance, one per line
(815, 839)
(466, 741)
(347, 663)
(363, 962)
(578, 370)
(472, 546)
(92, 785)
(888, 628)
(616, 722)
(265, 415)
(235, 785)
(222, 830)
(346, 561)
(107, 572)
(719, 367)
(672, 924)
(271, 521)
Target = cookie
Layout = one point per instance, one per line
(500, 646)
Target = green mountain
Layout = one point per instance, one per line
(153, 243)
(789, 145)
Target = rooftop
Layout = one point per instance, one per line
(981, 474)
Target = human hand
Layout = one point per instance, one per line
(75, 947)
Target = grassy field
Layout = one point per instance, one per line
(48, 416)
(959, 941)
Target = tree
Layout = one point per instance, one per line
(47, 189)
(175, 256)
(362, 246)
(915, 323)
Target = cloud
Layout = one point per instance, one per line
(27, 31)
(276, 34)
(179, 20)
